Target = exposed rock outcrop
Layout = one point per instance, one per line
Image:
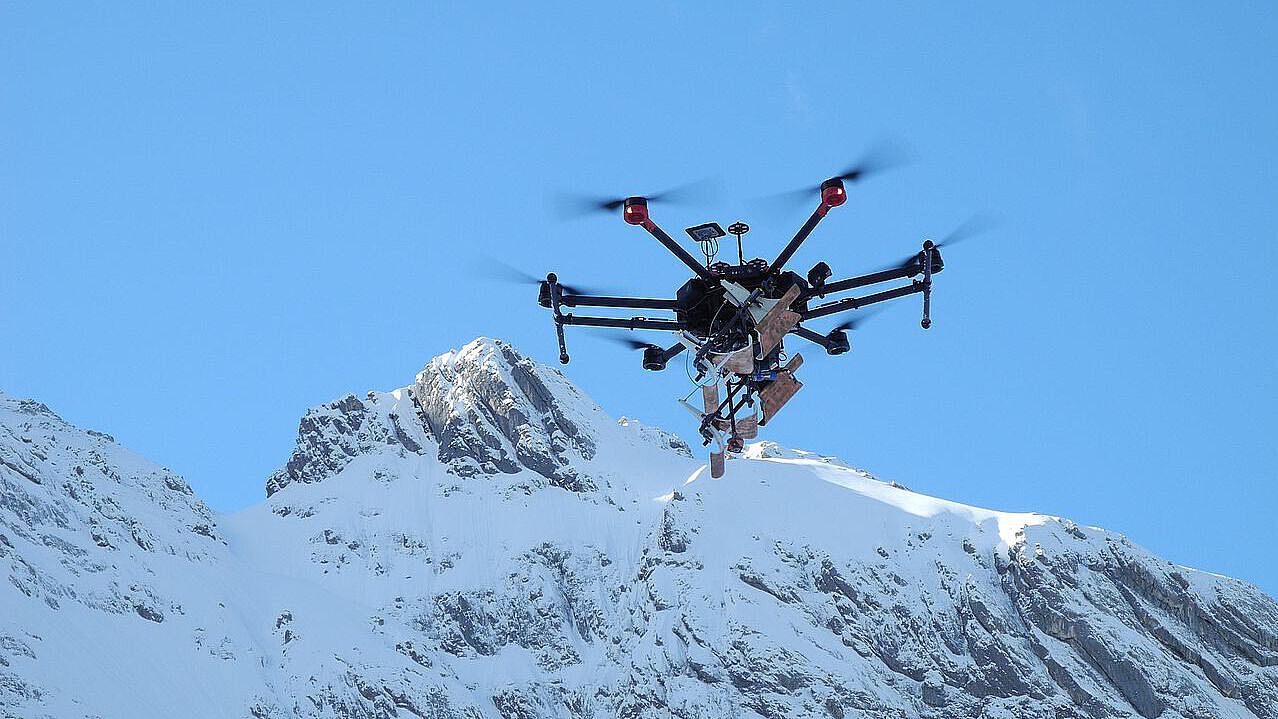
(485, 409)
(493, 410)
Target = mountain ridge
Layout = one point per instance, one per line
(488, 542)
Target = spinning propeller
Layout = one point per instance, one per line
(856, 322)
(499, 271)
(968, 229)
(655, 357)
(879, 158)
(836, 340)
(568, 205)
(629, 342)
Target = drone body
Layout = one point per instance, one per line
(734, 318)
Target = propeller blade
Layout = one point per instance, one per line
(788, 199)
(579, 290)
(494, 269)
(969, 228)
(904, 262)
(881, 156)
(568, 205)
(696, 191)
(632, 343)
(856, 322)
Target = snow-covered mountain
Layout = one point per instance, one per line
(487, 542)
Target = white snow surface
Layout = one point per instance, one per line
(412, 564)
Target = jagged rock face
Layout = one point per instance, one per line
(485, 409)
(1160, 631)
(491, 409)
(428, 554)
(330, 435)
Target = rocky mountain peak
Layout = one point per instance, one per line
(483, 409)
(492, 409)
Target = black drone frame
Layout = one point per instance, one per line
(635, 212)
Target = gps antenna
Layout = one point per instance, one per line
(739, 228)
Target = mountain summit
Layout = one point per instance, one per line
(487, 542)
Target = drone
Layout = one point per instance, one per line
(733, 319)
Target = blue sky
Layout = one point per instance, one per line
(215, 216)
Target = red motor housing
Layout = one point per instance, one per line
(832, 193)
(636, 210)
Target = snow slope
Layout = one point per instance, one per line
(487, 542)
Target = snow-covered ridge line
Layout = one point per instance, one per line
(487, 542)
